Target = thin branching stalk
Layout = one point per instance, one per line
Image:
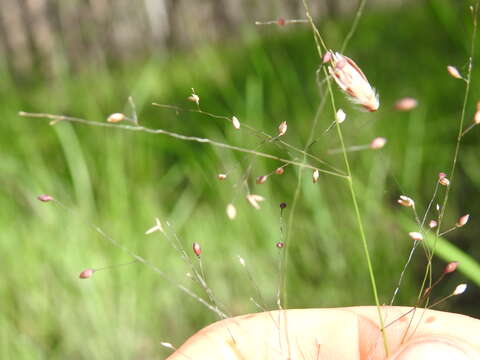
(275, 139)
(467, 130)
(147, 263)
(462, 118)
(424, 296)
(319, 40)
(402, 274)
(359, 223)
(294, 203)
(430, 204)
(428, 271)
(316, 34)
(59, 118)
(353, 28)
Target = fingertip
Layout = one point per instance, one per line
(435, 349)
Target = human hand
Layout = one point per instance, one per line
(339, 334)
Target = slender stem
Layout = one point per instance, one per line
(430, 203)
(428, 270)
(296, 196)
(415, 245)
(316, 34)
(59, 118)
(147, 263)
(410, 257)
(354, 25)
(359, 221)
(462, 117)
(318, 40)
(470, 127)
(349, 149)
(440, 301)
(281, 263)
(350, 185)
(448, 231)
(111, 267)
(276, 139)
(287, 22)
(134, 110)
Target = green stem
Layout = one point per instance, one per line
(457, 146)
(359, 220)
(319, 41)
(358, 16)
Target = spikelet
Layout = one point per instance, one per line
(340, 116)
(460, 289)
(415, 236)
(231, 211)
(406, 201)
(353, 82)
(406, 104)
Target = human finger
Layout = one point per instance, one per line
(342, 333)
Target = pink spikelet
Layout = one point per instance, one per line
(197, 249)
(87, 273)
(353, 81)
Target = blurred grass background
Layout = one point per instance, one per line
(122, 180)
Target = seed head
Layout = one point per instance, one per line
(476, 117)
(432, 224)
(444, 181)
(241, 260)
(453, 71)
(340, 116)
(236, 123)
(406, 104)
(254, 199)
(197, 250)
(378, 143)
(415, 236)
(462, 220)
(194, 98)
(44, 198)
(327, 57)
(261, 179)
(283, 205)
(460, 289)
(231, 211)
(315, 176)
(85, 274)
(405, 201)
(353, 82)
(279, 171)
(167, 345)
(221, 176)
(116, 117)
(282, 128)
(451, 267)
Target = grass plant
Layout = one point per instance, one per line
(121, 181)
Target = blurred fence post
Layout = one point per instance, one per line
(49, 35)
(15, 42)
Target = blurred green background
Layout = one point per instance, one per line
(122, 180)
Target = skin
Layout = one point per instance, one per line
(339, 334)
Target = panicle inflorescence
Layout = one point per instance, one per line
(352, 81)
